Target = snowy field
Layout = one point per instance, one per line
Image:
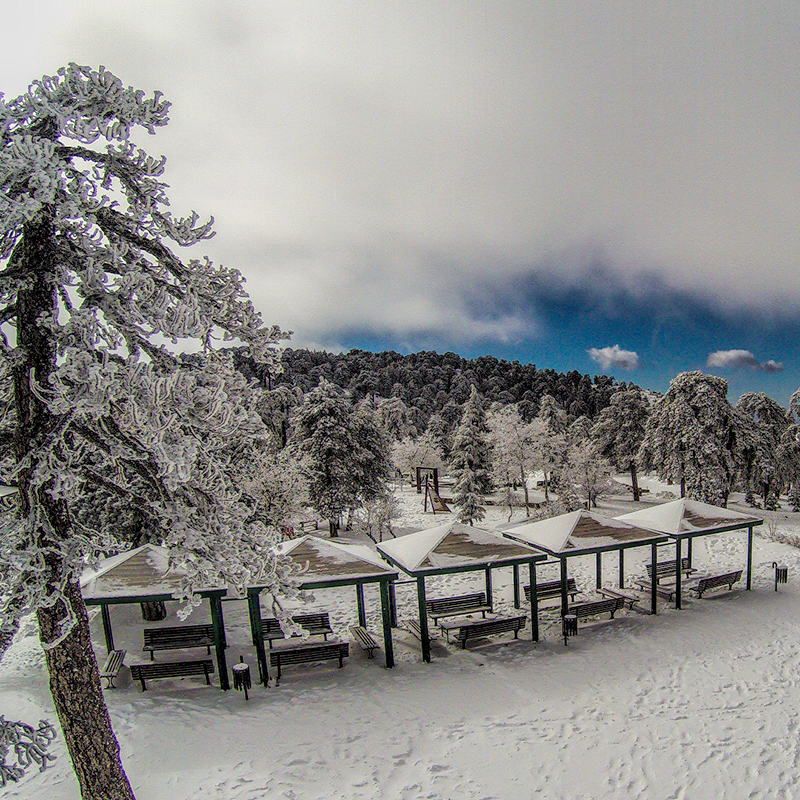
(698, 703)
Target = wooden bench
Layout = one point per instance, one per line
(550, 589)
(112, 667)
(666, 569)
(457, 606)
(171, 669)
(178, 638)
(365, 639)
(316, 624)
(595, 607)
(308, 653)
(489, 627)
(715, 581)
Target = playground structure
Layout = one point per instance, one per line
(428, 481)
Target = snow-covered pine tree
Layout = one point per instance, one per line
(619, 431)
(552, 439)
(88, 289)
(394, 416)
(346, 454)
(697, 437)
(770, 422)
(470, 461)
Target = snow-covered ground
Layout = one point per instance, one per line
(703, 702)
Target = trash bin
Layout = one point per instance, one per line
(781, 573)
(569, 625)
(241, 677)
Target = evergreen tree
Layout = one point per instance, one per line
(769, 421)
(346, 455)
(93, 403)
(470, 461)
(619, 431)
(697, 437)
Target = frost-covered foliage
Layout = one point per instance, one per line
(551, 439)
(395, 417)
(587, 473)
(96, 407)
(410, 453)
(470, 461)
(516, 449)
(769, 423)
(29, 746)
(346, 454)
(376, 516)
(697, 437)
(619, 431)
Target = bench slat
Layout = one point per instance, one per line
(549, 589)
(365, 639)
(489, 627)
(455, 606)
(307, 654)
(178, 638)
(112, 667)
(595, 607)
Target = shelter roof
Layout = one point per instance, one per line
(581, 531)
(322, 560)
(141, 572)
(454, 546)
(685, 517)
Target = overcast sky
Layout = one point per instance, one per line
(608, 187)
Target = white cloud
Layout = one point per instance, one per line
(739, 359)
(614, 357)
(461, 140)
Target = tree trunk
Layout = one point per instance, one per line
(546, 481)
(525, 490)
(80, 705)
(74, 676)
(683, 487)
(634, 482)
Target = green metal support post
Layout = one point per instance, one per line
(393, 604)
(215, 601)
(386, 616)
(516, 586)
(689, 550)
(598, 570)
(564, 598)
(107, 627)
(678, 574)
(254, 610)
(534, 602)
(489, 586)
(749, 555)
(423, 620)
(653, 584)
(621, 568)
(362, 613)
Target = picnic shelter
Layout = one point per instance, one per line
(320, 564)
(684, 519)
(144, 575)
(581, 533)
(453, 548)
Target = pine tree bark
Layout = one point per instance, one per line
(74, 676)
(634, 482)
(80, 705)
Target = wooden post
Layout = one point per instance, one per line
(621, 568)
(110, 636)
(423, 620)
(215, 602)
(689, 550)
(653, 584)
(362, 613)
(392, 604)
(516, 585)
(564, 598)
(678, 573)
(598, 570)
(749, 555)
(534, 602)
(386, 616)
(254, 611)
(489, 586)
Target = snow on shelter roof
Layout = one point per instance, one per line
(580, 530)
(324, 560)
(685, 516)
(142, 572)
(453, 545)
